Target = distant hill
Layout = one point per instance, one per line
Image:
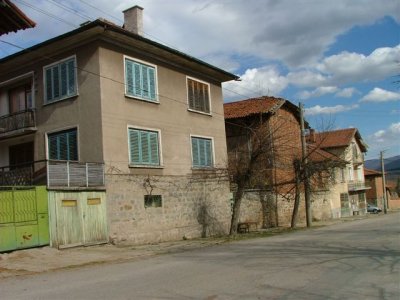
(391, 164)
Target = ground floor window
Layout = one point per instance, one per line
(63, 145)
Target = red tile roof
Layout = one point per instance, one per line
(12, 18)
(252, 106)
(369, 172)
(338, 138)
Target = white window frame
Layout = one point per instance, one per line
(139, 61)
(161, 165)
(212, 150)
(45, 102)
(209, 96)
(46, 142)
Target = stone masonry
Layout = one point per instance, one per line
(190, 207)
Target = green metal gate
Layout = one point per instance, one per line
(24, 221)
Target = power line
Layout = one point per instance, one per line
(46, 13)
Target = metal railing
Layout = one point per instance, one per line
(357, 185)
(19, 120)
(64, 174)
(74, 174)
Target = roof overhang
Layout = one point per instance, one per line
(12, 18)
(103, 30)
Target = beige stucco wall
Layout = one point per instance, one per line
(170, 116)
(82, 111)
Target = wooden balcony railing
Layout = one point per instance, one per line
(20, 120)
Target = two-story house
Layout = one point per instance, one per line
(349, 190)
(149, 118)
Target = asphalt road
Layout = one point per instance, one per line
(352, 260)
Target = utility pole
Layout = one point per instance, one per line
(383, 184)
(305, 166)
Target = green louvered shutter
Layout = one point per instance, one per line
(202, 152)
(154, 152)
(56, 82)
(71, 77)
(129, 77)
(64, 79)
(134, 146)
(63, 145)
(137, 70)
(145, 82)
(49, 89)
(195, 152)
(152, 84)
(144, 149)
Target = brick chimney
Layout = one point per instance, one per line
(133, 19)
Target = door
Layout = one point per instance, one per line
(24, 219)
(80, 218)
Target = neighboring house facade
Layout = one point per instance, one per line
(148, 117)
(349, 190)
(270, 200)
(374, 180)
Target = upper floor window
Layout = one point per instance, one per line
(144, 147)
(202, 152)
(198, 96)
(140, 80)
(60, 80)
(63, 145)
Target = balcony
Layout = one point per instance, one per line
(54, 174)
(354, 186)
(19, 123)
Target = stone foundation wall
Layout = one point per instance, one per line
(190, 208)
(277, 210)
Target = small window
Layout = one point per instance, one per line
(140, 80)
(60, 80)
(144, 147)
(198, 96)
(202, 153)
(152, 201)
(63, 145)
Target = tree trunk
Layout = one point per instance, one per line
(296, 197)
(236, 211)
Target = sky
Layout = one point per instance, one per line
(340, 58)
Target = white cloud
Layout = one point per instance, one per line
(352, 67)
(318, 110)
(254, 83)
(318, 92)
(346, 93)
(204, 28)
(387, 139)
(380, 95)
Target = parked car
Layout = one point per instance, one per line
(373, 209)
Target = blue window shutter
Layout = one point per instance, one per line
(208, 155)
(129, 77)
(195, 152)
(72, 145)
(134, 146)
(49, 90)
(63, 145)
(145, 142)
(71, 77)
(202, 152)
(145, 82)
(137, 80)
(64, 79)
(154, 153)
(152, 83)
(56, 82)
